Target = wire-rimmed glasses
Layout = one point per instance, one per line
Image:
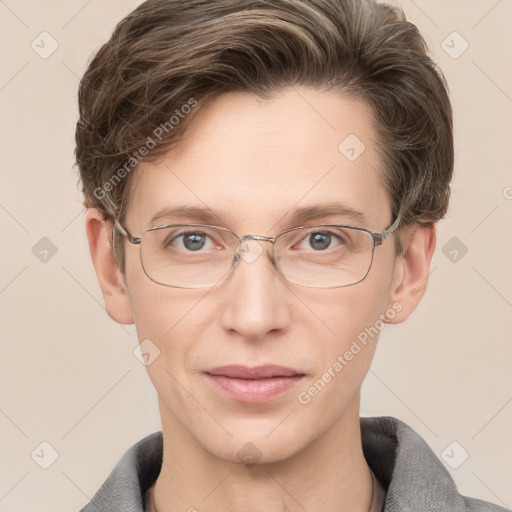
(203, 255)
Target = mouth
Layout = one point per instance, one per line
(253, 385)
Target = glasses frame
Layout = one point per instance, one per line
(378, 238)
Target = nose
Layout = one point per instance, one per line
(256, 294)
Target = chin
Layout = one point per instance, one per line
(256, 448)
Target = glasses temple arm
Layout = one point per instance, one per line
(132, 239)
(380, 238)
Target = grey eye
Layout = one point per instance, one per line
(320, 240)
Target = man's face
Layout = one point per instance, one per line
(253, 162)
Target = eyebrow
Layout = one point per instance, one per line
(316, 212)
(296, 216)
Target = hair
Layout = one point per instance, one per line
(142, 88)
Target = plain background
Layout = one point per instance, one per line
(68, 373)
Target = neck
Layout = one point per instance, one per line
(330, 473)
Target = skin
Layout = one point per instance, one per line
(252, 161)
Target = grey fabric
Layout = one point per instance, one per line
(414, 478)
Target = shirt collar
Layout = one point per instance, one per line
(413, 477)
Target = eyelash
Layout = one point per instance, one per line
(180, 235)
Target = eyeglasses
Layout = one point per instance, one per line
(201, 255)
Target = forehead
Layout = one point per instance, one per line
(255, 161)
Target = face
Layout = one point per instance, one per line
(253, 162)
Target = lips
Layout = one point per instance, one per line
(253, 385)
(258, 372)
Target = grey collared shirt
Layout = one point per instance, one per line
(415, 480)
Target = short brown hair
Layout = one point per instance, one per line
(168, 56)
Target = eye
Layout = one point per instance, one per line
(321, 240)
(190, 241)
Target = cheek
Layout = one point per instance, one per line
(164, 320)
(342, 357)
(155, 308)
(164, 314)
(348, 312)
(173, 319)
(353, 318)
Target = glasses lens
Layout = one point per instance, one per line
(324, 256)
(196, 256)
(186, 255)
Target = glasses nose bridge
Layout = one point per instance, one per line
(257, 237)
(246, 238)
(240, 250)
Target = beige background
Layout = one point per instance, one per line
(68, 373)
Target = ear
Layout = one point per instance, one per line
(110, 277)
(412, 270)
